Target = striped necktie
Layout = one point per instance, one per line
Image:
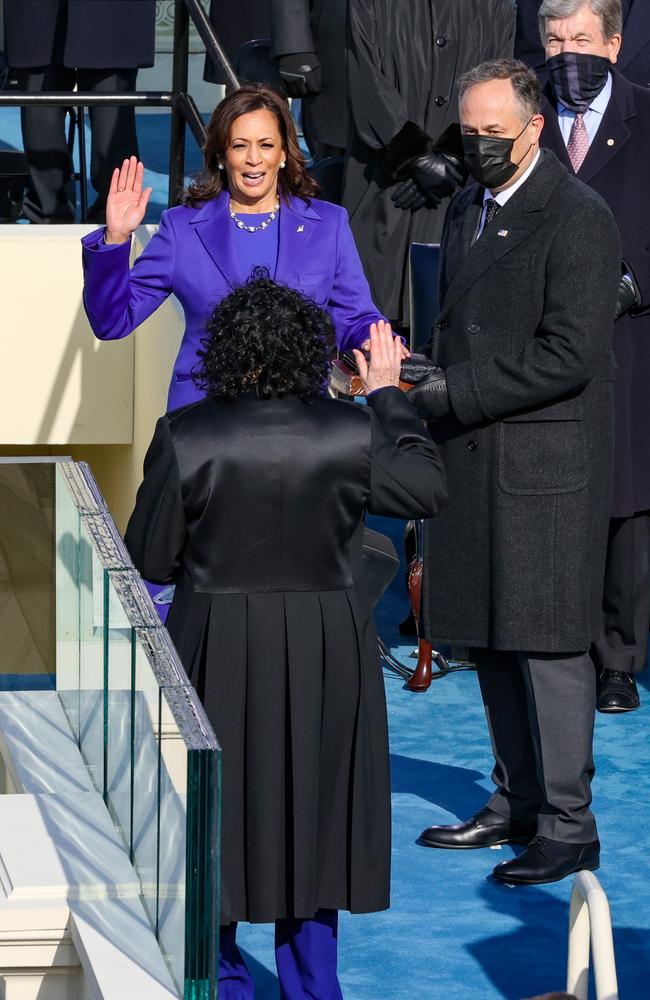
(578, 144)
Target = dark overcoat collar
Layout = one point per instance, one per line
(518, 218)
(612, 134)
(299, 223)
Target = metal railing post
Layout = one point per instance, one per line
(179, 86)
(590, 929)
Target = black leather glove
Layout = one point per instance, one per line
(301, 73)
(437, 174)
(416, 367)
(433, 177)
(409, 195)
(430, 396)
(629, 296)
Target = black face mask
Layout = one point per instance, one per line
(488, 158)
(577, 78)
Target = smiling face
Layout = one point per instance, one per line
(582, 32)
(252, 160)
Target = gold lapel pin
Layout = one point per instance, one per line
(610, 142)
(300, 229)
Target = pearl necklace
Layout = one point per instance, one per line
(254, 229)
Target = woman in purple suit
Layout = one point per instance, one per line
(252, 206)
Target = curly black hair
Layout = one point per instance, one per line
(268, 337)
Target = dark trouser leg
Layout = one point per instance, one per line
(51, 198)
(113, 131)
(235, 982)
(505, 698)
(562, 704)
(305, 954)
(626, 597)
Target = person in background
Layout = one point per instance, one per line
(522, 408)
(403, 62)
(598, 125)
(633, 58)
(235, 24)
(252, 503)
(253, 205)
(309, 43)
(95, 46)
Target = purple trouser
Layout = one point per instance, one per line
(305, 956)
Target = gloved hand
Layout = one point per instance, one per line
(301, 73)
(430, 396)
(416, 367)
(433, 176)
(628, 296)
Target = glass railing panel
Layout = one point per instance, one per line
(118, 713)
(142, 731)
(93, 657)
(67, 570)
(27, 574)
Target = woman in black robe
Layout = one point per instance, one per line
(252, 504)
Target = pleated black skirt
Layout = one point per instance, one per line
(292, 685)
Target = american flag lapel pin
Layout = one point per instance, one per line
(503, 232)
(300, 229)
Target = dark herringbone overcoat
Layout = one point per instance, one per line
(525, 333)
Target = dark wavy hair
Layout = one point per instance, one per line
(267, 337)
(211, 181)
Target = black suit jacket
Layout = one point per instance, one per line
(87, 34)
(516, 560)
(617, 168)
(634, 57)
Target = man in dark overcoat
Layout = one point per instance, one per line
(97, 45)
(403, 63)
(530, 266)
(633, 59)
(614, 162)
(309, 41)
(616, 166)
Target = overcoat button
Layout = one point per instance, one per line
(473, 328)
(443, 324)
(441, 41)
(440, 102)
(472, 445)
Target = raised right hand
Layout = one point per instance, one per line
(385, 362)
(127, 201)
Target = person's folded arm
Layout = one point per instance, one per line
(574, 339)
(407, 477)
(118, 298)
(155, 534)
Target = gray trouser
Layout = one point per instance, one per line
(540, 712)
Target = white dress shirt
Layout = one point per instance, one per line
(504, 196)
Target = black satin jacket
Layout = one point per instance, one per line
(269, 495)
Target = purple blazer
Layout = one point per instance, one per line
(193, 257)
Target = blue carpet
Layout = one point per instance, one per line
(451, 934)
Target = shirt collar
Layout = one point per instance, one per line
(503, 196)
(599, 103)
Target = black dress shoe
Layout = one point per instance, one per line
(617, 692)
(547, 860)
(486, 829)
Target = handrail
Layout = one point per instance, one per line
(184, 111)
(590, 928)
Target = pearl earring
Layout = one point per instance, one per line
(282, 165)
(220, 166)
